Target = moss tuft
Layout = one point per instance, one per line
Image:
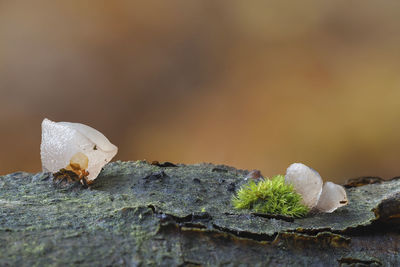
(271, 196)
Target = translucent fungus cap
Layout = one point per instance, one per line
(65, 142)
(306, 181)
(333, 196)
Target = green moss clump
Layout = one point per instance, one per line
(271, 196)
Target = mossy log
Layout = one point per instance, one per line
(139, 214)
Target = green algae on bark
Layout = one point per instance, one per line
(139, 214)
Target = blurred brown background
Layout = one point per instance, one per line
(256, 85)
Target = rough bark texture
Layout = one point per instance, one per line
(138, 214)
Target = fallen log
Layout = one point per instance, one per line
(140, 214)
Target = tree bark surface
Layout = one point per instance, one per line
(139, 214)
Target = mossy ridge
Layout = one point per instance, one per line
(271, 196)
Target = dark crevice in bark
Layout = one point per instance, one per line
(359, 262)
(248, 235)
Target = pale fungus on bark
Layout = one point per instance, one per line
(306, 181)
(316, 195)
(75, 147)
(333, 196)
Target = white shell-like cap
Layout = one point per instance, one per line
(62, 140)
(306, 181)
(333, 196)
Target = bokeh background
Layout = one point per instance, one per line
(256, 85)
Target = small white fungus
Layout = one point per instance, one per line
(306, 181)
(66, 144)
(333, 196)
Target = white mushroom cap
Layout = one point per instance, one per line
(306, 181)
(333, 196)
(62, 140)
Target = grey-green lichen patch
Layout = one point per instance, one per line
(135, 211)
